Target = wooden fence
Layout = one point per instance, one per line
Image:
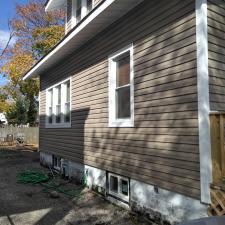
(30, 135)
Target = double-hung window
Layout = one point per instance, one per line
(58, 108)
(121, 103)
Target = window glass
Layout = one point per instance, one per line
(114, 184)
(123, 71)
(67, 104)
(123, 102)
(50, 113)
(58, 106)
(78, 11)
(123, 108)
(124, 187)
(89, 5)
(69, 10)
(68, 91)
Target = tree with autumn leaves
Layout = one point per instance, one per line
(35, 33)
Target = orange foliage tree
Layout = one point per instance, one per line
(35, 33)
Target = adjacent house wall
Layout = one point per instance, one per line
(162, 148)
(216, 35)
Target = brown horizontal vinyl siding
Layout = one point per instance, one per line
(162, 148)
(216, 33)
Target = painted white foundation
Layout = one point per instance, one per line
(45, 159)
(172, 206)
(167, 205)
(96, 177)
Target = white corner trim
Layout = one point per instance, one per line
(203, 100)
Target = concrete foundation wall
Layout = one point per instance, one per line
(157, 204)
(163, 204)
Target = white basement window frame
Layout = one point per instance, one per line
(116, 120)
(119, 187)
(58, 105)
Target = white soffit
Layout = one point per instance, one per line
(107, 13)
(54, 4)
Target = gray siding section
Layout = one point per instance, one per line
(162, 148)
(216, 33)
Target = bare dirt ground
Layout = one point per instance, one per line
(25, 204)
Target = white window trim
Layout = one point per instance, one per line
(54, 124)
(83, 10)
(73, 18)
(113, 121)
(119, 195)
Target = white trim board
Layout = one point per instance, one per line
(203, 100)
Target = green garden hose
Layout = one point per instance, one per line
(32, 177)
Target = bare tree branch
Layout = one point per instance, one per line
(11, 34)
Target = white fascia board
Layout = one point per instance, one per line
(203, 100)
(54, 4)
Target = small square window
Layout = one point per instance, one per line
(118, 186)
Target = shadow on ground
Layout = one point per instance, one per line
(28, 204)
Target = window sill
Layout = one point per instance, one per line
(60, 125)
(121, 123)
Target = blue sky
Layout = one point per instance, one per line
(7, 12)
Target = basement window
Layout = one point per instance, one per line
(89, 5)
(56, 162)
(58, 105)
(121, 88)
(118, 187)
